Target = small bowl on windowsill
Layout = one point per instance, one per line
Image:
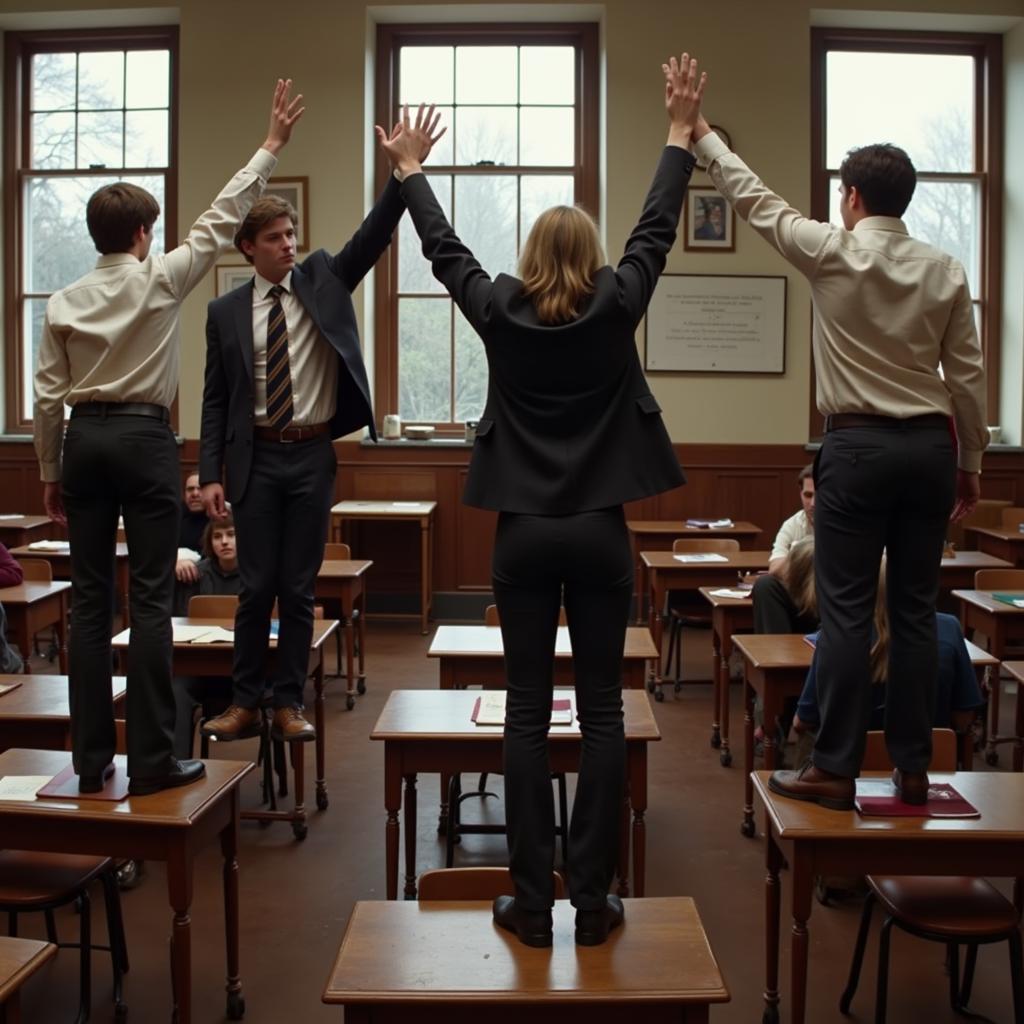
(419, 433)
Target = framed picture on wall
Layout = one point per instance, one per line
(231, 276)
(296, 192)
(709, 224)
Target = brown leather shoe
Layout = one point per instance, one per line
(815, 785)
(289, 725)
(237, 723)
(912, 787)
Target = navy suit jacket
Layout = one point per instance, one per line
(323, 284)
(570, 423)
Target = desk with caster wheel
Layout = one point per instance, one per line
(344, 581)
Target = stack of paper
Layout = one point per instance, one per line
(701, 556)
(50, 545)
(708, 524)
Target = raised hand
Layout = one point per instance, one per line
(284, 112)
(409, 144)
(684, 92)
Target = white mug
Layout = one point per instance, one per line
(392, 426)
(995, 435)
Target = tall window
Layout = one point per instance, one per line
(939, 97)
(520, 104)
(82, 110)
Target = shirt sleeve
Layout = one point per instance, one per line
(52, 384)
(784, 540)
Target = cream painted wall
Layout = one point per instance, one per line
(757, 54)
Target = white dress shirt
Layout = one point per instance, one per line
(795, 528)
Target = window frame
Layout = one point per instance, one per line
(19, 49)
(390, 39)
(987, 51)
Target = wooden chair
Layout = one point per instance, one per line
(339, 553)
(39, 570)
(685, 608)
(1011, 518)
(956, 911)
(472, 884)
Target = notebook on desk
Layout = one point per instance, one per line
(877, 798)
(489, 709)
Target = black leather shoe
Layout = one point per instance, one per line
(95, 783)
(182, 774)
(911, 786)
(593, 926)
(532, 928)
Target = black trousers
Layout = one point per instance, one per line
(127, 465)
(281, 530)
(775, 611)
(539, 561)
(892, 488)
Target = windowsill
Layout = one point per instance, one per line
(406, 442)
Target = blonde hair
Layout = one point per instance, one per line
(558, 263)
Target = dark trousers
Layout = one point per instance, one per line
(539, 561)
(281, 530)
(126, 464)
(875, 488)
(775, 611)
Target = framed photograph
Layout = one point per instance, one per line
(709, 224)
(296, 192)
(231, 276)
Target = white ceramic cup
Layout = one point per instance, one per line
(995, 434)
(392, 426)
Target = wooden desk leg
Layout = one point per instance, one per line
(654, 623)
(716, 699)
(772, 918)
(392, 805)
(350, 637)
(229, 850)
(10, 1011)
(321, 733)
(997, 648)
(361, 683)
(638, 797)
(725, 754)
(410, 837)
(747, 825)
(803, 884)
(179, 888)
(425, 573)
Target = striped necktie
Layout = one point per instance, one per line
(279, 377)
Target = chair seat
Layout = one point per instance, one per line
(28, 879)
(957, 908)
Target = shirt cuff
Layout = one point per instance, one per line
(49, 472)
(709, 148)
(262, 163)
(970, 462)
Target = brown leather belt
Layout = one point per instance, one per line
(291, 433)
(841, 420)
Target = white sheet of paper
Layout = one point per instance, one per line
(701, 556)
(215, 635)
(22, 787)
(11, 515)
(406, 504)
(185, 634)
(727, 592)
(50, 545)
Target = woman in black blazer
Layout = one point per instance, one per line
(570, 431)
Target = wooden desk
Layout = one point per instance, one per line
(431, 731)
(957, 573)
(824, 842)
(473, 655)
(217, 660)
(448, 962)
(345, 582)
(19, 530)
(32, 607)
(1007, 544)
(658, 535)
(1016, 670)
(421, 512)
(775, 668)
(172, 825)
(37, 715)
(19, 960)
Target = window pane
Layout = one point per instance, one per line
(53, 81)
(947, 214)
(485, 219)
(932, 119)
(100, 81)
(101, 139)
(53, 141)
(443, 153)
(33, 311)
(547, 74)
(414, 273)
(537, 193)
(148, 78)
(547, 136)
(485, 135)
(426, 74)
(485, 74)
(146, 138)
(470, 371)
(424, 359)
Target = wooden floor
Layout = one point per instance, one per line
(296, 897)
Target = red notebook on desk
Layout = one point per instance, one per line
(489, 709)
(64, 786)
(877, 798)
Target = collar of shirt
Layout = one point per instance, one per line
(115, 259)
(263, 286)
(881, 224)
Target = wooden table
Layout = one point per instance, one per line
(60, 562)
(19, 960)
(421, 512)
(448, 962)
(473, 655)
(32, 607)
(37, 714)
(431, 731)
(19, 530)
(824, 842)
(217, 660)
(344, 581)
(957, 573)
(775, 668)
(173, 826)
(659, 534)
(1007, 544)
(1016, 670)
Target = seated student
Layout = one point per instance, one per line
(11, 575)
(217, 574)
(190, 536)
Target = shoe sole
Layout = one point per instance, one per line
(591, 938)
(823, 801)
(148, 789)
(228, 737)
(536, 940)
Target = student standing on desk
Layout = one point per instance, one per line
(570, 431)
(109, 349)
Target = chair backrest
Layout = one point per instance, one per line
(212, 606)
(337, 553)
(491, 618)
(37, 569)
(472, 884)
(1011, 517)
(999, 579)
(876, 756)
(721, 544)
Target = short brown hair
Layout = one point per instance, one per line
(227, 523)
(884, 176)
(262, 212)
(115, 212)
(807, 471)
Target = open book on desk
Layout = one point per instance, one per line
(708, 524)
(701, 556)
(489, 709)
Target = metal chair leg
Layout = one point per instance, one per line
(84, 957)
(968, 979)
(858, 954)
(882, 988)
(954, 975)
(51, 926)
(454, 818)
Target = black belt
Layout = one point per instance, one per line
(156, 412)
(842, 420)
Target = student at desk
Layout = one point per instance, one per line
(11, 575)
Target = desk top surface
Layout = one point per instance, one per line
(64, 551)
(10, 521)
(31, 592)
(978, 598)
(739, 528)
(44, 696)
(322, 628)
(975, 560)
(445, 714)
(1000, 532)
(717, 601)
(747, 561)
(1016, 669)
(791, 650)
(343, 569)
(179, 807)
(383, 508)
(19, 960)
(410, 952)
(485, 641)
(998, 795)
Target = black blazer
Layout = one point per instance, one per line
(570, 423)
(324, 285)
